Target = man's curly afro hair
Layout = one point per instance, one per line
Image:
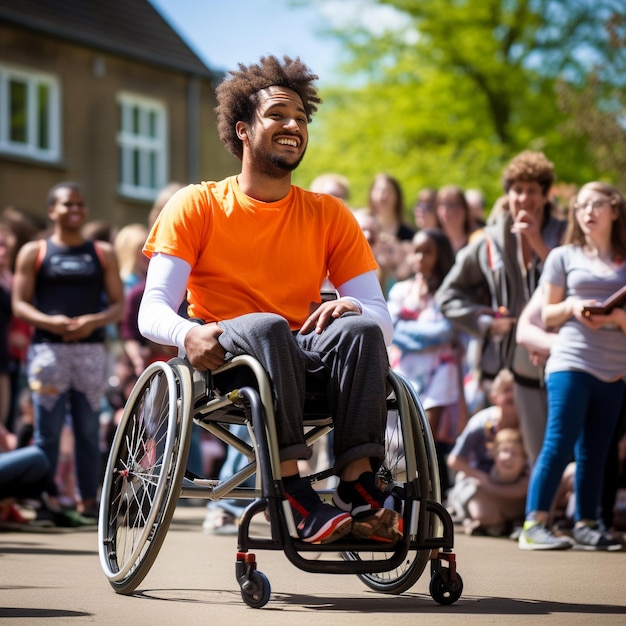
(529, 166)
(237, 96)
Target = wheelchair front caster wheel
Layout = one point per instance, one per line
(443, 590)
(256, 590)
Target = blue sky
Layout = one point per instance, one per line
(225, 32)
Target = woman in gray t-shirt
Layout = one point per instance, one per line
(586, 367)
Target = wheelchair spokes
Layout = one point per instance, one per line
(146, 467)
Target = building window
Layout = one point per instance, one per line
(142, 146)
(29, 114)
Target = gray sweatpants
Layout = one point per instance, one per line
(350, 353)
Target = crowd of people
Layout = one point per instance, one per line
(487, 316)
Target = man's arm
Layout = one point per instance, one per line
(365, 290)
(460, 296)
(166, 285)
(362, 295)
(158, 319)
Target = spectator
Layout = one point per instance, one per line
(532, 334)
(585, 368)
(454, 216)
(58, 289)
(7, 241)
(99, 230)
(128, 247)
(475, 199)
(497, 501)
(161, 200)
(333, 184)
(385, 249)
(424, 348)
(24, 227)
(386, 202)
(26, 483)
(139, 350)
(494, 276)
(470, 457)
(24, 473)
(424, 211)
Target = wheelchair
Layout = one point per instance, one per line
(146, 475)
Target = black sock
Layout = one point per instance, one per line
(301, 490)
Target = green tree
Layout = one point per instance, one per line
(464, 86)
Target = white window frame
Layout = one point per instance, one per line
(143, 156)
(30, 148)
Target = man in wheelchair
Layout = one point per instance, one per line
(250, 253)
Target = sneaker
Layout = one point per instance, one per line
(219, 522)
(90, 512)
(592, 537)
(316, 521)
(375, 514)
(73, 519)
(11, 517)
(535, 536)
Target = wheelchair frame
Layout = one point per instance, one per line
(146, 475)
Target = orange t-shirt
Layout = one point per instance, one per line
(249, 256)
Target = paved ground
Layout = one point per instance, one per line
(55, 577)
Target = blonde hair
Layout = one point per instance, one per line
(333, 184)
(161, 200)
(503, 377)
(128, 244)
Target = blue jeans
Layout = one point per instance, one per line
(86, 429)
(24, 473)
(582, 415)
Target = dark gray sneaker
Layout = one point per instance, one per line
(592, 537)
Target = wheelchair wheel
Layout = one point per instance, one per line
(409, 454)
(144, 473)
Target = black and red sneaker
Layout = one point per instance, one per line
(316, 521)
(375, 514)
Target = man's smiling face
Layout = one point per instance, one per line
(278, 136)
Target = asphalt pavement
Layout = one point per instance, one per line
(54, 576)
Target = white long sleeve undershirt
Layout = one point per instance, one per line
(166, 284)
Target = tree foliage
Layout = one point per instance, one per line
(466, 85)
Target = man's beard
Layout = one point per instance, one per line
(274, 165)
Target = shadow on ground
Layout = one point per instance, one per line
(405, 603)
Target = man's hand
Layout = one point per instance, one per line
(202, 347)
(528, 225)
(326, 313)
